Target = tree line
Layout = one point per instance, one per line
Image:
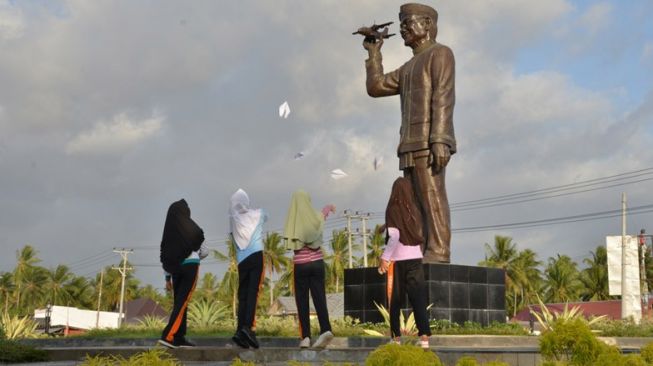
(559, 279)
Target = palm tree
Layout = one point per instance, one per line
(561, 283)
(111, 287)
(25, 259)
(286, 283)
(527, 278)
(7, 288)
(32, 291)
(150, 292)
(55, 285)
(208, 287)
(595, 277)
(336, 260)
(81, 292)
(274, 258)
(375, 246)
(503, 255)
(229, 284)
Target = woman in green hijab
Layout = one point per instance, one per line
(303, 234)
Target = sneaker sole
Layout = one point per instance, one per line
(167, 344)
(325, 342)
(239, 342)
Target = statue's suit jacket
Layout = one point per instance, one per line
(426, 86)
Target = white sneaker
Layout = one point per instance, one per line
(305, 343)
(424, 344)
(323, 340)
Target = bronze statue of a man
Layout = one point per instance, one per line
(425, 85)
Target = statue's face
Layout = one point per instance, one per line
(414, 29)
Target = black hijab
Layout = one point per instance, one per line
(402, 213)
(181, 236)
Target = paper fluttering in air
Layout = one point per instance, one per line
(378, 162)
(284, 110)
(338, 174)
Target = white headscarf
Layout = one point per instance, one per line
(242, 219)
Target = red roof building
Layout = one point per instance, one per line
(609, 308)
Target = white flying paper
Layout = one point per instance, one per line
(299, 155)
(338, 174)
(284, 110)
(378, 162)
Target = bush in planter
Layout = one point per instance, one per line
(12, 352)
(647, 353)
(571, 340)
(471, 361)
(402, 355)
(467, 361)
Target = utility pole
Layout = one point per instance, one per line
(364, 218)
(348, 215)
(123, 271)
(641, 240)
(99, 300)
(624, 288)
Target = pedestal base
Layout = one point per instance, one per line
(457, 293)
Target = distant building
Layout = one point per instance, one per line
(137, 309)
(68, 320)
(609, 308)
(285, 306)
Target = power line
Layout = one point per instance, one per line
(558, 220)
(545, 193)
(516, 200)
(585, 183)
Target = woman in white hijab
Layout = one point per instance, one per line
(246, 226)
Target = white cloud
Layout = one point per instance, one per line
(12, 22)
(115, 135)
(596, 18)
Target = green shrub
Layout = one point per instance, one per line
(495, 363)
(443, 326)
(571, 340)
(467, 361)
(15, 327)
(624, 328)
(205, 313)
(634, 360)
(647, 353)
(154, 356)
(11, 352)
(2, 332)
(238, 362)
(401, 355)
(151, 322)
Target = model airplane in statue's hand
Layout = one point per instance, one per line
(372, 33)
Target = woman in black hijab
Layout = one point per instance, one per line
(181, 251)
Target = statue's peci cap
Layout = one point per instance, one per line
(417, 9)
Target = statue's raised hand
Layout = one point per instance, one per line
(372, 44)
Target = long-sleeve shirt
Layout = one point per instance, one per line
(194, 257)
(396, 251)
(255, 242)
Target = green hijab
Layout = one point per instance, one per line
(304, 224)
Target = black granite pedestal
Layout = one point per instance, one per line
(457, 293)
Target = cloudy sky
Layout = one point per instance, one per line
(111, 110)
